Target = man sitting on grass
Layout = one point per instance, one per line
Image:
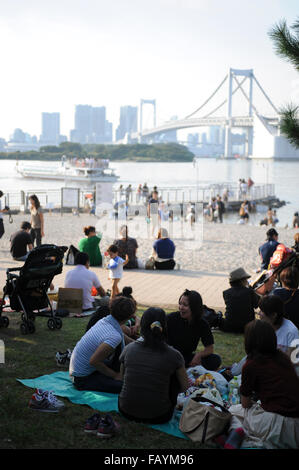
(82, 278)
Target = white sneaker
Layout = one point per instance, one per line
(53, 400)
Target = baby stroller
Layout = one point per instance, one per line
(27, 287)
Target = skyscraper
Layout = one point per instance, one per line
(90, 125)
(50, 128)
(127, 121)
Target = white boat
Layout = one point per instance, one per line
(85, 170)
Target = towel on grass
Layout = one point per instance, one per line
(61, 385)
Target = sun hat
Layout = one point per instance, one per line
(238, 275)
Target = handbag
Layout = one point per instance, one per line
(150, 263)
(201, 422)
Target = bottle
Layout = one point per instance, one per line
(235, 399)
(233, 385)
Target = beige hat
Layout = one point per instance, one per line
(238, 275)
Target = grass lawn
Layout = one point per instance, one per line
(29, 356)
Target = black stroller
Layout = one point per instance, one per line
(27, 287)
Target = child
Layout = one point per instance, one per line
(115, 267)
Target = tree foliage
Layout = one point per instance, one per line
(286, 45)
(170, 152)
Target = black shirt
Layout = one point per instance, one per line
(18, 243)
(240, 303)
(290, 299)
(185, 337)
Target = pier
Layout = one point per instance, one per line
(52, 199)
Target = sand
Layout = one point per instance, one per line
(224, 247)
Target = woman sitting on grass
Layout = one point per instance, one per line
(268, 375)
(94, 363)
(187, 327)
(153, 373)
(90, 245)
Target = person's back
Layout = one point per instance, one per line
(20, 240)
(275, 382)
(145, 391)
(128, 247)
(82, 278)
(240, 302)
(91, 247)
(164, 248)
(267, 249)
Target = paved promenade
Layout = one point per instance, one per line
(152, 288)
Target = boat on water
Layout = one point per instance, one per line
(85, 170)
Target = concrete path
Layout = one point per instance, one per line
(152, 288)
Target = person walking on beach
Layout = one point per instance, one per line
(115, 267)
(37, 220)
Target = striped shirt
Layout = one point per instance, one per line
(108, 331)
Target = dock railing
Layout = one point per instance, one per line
(204, 192)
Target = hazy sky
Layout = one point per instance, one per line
(59, 53)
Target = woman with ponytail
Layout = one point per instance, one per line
(153, 373)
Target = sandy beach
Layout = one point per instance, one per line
(223, 248)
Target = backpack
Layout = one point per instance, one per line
(70, 256)
(280, 254)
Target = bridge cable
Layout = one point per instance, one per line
(216, 109)
(265, 94)
(246, 96)
(198, 109)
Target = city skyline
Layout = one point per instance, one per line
(57, 54)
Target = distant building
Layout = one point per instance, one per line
(127, 121)
(50, 129)
(90, 125)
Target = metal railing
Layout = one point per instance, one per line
(51, 198)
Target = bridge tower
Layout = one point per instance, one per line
(142, 102)
(233, 73)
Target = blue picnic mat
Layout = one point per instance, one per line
(61, 385)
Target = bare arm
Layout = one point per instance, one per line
(196, 361)
(41, 216)
(182, 377)
(246, 402)
(101, 291)
(97, 360)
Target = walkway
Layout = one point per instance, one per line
(153, 288)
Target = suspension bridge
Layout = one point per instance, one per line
(263, 137)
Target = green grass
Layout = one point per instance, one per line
(33, 355)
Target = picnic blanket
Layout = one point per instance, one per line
(61, 385)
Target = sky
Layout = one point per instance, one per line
(59, 53)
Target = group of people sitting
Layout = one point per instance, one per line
(147, 366)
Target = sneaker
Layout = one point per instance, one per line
(63, 359)
(107, 427)
(50, 396)
(92, 423)
(42, 403)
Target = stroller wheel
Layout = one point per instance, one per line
(51, 324)
(24, 328)
(31, 326)
(4, 322)
(58, 323)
